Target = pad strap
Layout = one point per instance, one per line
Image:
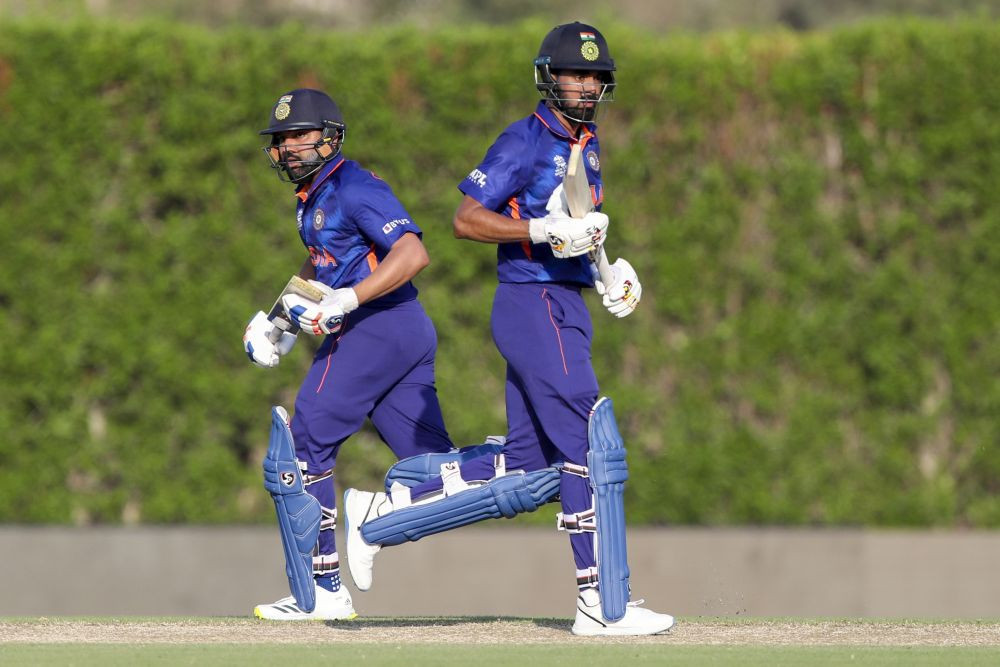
(574, 469)
(581, 522)
(418, 469)
(329, 520)
(309, 480)
(586, 578)
(325, 564)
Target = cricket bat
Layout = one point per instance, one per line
(277, 314)
(578, 197)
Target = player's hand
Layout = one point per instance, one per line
(258, 345)
(622, 296)
(569, 237)
(325, 317)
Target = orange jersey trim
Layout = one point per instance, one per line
(515, 213)
(304, 194)
(372, 259)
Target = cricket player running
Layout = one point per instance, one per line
(561, 439)
(376, 361)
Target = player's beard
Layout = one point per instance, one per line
(301, 164)
(583, 109)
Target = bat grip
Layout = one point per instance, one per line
(280, 327)
(599, 262)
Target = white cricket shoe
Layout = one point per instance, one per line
(636, 621)
(330, 606)
(361, 506)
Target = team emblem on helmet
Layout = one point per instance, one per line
(318, 218)
(593, 160)
(282, 110)
(288, 478)
(590, 51)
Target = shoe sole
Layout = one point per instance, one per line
(612, 631)
(618, 632)
(292, 619)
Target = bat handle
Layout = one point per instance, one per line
(280, 327)
(599, 263)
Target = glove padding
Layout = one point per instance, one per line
(622, 296)
(325, 317)
(568, 237)
(257, 342)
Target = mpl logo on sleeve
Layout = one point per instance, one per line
(477, 177)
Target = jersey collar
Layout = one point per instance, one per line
(548, 117)
(303, 192)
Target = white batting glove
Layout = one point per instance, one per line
(325, 317)
(622, 296)
(569, 237)
(257, 341)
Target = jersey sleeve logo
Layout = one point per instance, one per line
(392, 224)
(477, 177)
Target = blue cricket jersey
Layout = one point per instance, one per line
(348, 219)
(516, 178)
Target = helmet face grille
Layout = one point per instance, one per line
(569, 106)
(327, 148)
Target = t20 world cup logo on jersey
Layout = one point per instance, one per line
(560, 163)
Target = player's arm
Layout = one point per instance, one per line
(475, 222)
(406, 258)
(568, 237)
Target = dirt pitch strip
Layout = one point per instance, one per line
(487, 630)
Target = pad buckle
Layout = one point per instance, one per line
(581, 522)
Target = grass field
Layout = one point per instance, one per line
(493, 641)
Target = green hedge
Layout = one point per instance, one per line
(815, 220)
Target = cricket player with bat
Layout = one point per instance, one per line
(377, 358)
(562, 439)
